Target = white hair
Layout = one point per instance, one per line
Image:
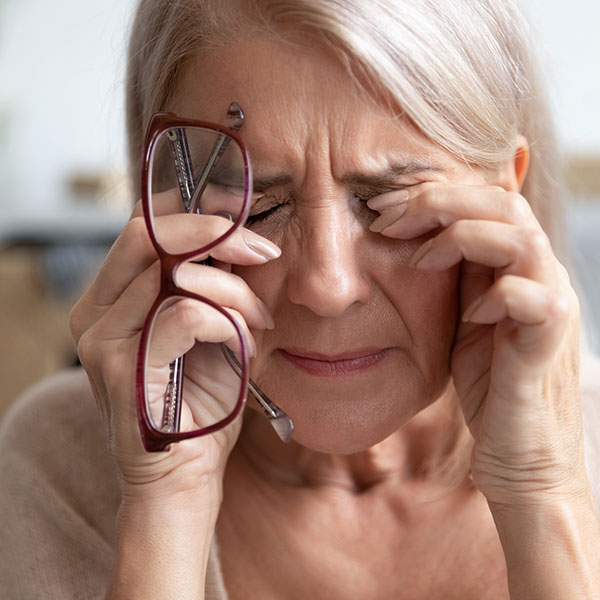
(462, 71)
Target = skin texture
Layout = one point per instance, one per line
(447, 269)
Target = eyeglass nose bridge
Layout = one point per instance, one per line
(168, 270)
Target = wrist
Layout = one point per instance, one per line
(552, 548)
(530, 483)
(164, 545)
(156, 505)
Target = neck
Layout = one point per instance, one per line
(407, 455)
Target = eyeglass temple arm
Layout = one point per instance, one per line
(234, 120)
(190, 193)
(280, 421)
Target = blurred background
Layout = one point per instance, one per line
(63, 189)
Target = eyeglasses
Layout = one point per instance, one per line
(194, 384)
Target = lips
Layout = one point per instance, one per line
(348, 363)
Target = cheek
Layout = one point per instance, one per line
(427, 305)
(264, 280)
(427, 301)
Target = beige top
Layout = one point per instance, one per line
(59, 494)
(59, 497)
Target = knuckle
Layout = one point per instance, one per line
(189, 314)
(87, 349)
(536, 242)
(431, 196)
(517, 207)
(458, 229)
(503, 286)
(135, 233)
(559, 307)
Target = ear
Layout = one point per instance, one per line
(511, 174)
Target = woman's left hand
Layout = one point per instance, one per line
(515, 358)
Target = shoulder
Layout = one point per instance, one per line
(590, 405)
(59, 493)
(55, 432)
(55, 425)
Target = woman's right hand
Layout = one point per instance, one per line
(107, 322)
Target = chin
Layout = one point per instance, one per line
(348, 425)
(338, 440)
(345, 415)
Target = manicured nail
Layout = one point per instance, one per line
(252, 350)
(472, 309)
(388, 200)
(388, 218)
(420, 253)
(264, 311)
(261, 246)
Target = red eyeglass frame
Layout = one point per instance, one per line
(153, 439)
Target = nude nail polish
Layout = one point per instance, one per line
(388, 200)
(262, 246)
(388, 218)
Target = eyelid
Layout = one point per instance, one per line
(273, 200)
(370, 192)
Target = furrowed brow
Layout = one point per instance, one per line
(390, 173)
(386, 176)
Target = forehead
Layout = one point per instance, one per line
(298, 99)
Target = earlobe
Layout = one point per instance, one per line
(521, 161)
(511, 175)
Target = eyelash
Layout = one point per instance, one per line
(259, 217)
(362, 196)
(263, 215)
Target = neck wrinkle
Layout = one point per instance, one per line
(432, 438)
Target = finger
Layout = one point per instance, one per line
(133, 253)
(127, 315)
(536, 314)
(475, 280)
(182, 323)
(164, 203)
(512, 250)
(418, 209)
(226, 289)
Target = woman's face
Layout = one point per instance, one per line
(361, 342)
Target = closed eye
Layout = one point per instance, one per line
(365, 194)
(266, 205)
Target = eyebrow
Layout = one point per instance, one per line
(386, 176)
(390, 173)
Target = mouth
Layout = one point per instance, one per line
(323, 365)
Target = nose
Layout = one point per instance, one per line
(329, 272)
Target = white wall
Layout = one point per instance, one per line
(570, 39)
(61, 74)
(63, 60)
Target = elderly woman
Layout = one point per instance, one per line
(347, 218)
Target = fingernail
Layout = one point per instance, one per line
(264, 311)
(261, 246)
(388, 218)
(388, 200)
(420, 253)
(471, 309)
(252, 346)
